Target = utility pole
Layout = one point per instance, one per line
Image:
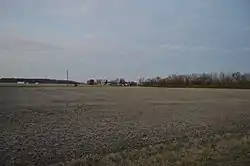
(67, 72)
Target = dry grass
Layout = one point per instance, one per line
(46, 125)
(223, 150)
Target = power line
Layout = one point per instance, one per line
(67, 73)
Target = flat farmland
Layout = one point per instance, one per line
(47, 125)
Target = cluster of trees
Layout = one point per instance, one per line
(206, 80)
(36, 80)
(213, 80)
(116, 82)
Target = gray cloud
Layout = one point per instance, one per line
(115, 38)
(188, 48)
(201, 48)
(8, 44)
(247, 49)
(64, 8)
(247, 28)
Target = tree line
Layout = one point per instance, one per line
(207, 80)
(36, 80)
(116, 82)
(203, 80)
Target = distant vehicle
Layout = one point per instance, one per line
(91, 82)
(20, 82)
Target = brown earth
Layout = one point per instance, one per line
(47, 125)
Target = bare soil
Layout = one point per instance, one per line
(47, 125)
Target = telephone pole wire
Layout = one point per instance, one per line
(67, 72)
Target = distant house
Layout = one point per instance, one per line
(112, 82)
(91, 82)
(247, 76)
(132, 83)
(20, 82)
(104, 82)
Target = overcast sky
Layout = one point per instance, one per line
(123, 38)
